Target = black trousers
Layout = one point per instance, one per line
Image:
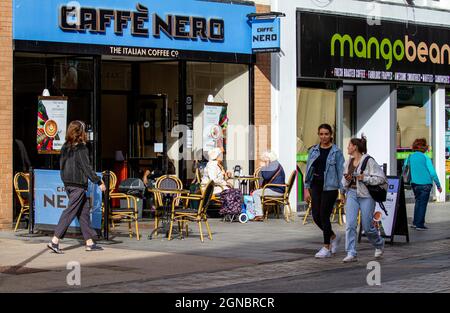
(78, 207)
(322, 208)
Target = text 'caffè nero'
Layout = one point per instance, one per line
(72, 18)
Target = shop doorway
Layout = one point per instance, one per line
(349, 120)
(137, 104)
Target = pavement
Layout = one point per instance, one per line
(272, 256)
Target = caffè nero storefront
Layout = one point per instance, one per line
(385, 80)
(121, 64)
(133, 71)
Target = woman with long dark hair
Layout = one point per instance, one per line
(75, 172)
(355, 180)
(324, 170)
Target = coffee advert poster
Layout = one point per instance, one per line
(51, 124)
(215, 123)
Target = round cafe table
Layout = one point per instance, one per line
(168, 195)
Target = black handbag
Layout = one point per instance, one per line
(406, 174)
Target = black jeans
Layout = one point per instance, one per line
(78, 207)
(322, 208)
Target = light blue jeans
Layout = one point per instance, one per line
(367, 206)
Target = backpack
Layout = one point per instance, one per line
(231, 202)
(377, 192)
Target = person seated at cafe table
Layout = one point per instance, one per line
(271, 173)
(215, 171)
(150, 176)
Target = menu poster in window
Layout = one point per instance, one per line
(215, 123)
(51, 124)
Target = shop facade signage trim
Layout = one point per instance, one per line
(182, 25)
(342, 47)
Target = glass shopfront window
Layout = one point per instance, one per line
(68, 76)
(225, 85)
(414, 120)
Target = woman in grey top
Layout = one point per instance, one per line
(358, 197)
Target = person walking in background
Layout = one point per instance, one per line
(359, 171)
(422, 176)
(271, 173)
(324, 170)
(75, 172)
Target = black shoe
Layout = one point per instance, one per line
(55, 248)
(422, 228)
(93, 247)
(413, 226)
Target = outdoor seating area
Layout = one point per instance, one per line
(176, 206)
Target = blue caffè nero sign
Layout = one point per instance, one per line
(266, 35)
(192, 25)
(50, 200)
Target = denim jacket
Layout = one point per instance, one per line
(333, 171)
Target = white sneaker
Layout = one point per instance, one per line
(323, 253)
(378, 253)
(335, 244)
(350, 258)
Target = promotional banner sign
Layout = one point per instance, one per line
(266, 35)
(51, 124)
(51, 200)
(342, 47)
(215, 123)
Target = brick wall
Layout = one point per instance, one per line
(262, 99)
(6, 60)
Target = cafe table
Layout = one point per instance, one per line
(168, 196)
(245, 182)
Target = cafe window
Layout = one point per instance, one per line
(314, 107)
(226, 84)
(414, 120)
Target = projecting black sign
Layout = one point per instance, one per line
(342, 47)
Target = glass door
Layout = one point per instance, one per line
(349, 122)
(148, 128)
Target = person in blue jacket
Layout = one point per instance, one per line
(423, 175)
(324, 172)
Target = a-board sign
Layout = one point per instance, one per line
(50, 200)
(393, 219)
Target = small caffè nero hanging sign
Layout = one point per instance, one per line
(97, 20)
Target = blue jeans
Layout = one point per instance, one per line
(422, 195)
(352, 207)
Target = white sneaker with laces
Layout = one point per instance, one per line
(378, 253)
(323, 253)
(350, 258)
(335, 244)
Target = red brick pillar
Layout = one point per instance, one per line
(6, 123)
(262, 99)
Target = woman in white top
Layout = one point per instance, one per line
(214, 171)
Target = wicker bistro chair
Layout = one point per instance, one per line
(276, 201)
(21, 187)
(167, 182)
(130, 213)
(183, 215)
(256, 174)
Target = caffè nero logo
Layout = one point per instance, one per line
(97, 20)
